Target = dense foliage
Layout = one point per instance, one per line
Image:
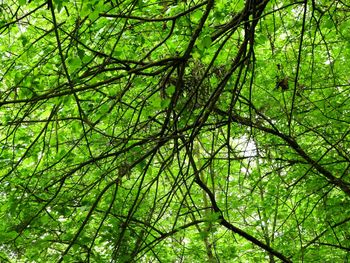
(174, 131)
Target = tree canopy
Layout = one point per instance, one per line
(174, 131)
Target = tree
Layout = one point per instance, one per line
(174, 131)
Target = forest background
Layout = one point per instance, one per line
(174, 131)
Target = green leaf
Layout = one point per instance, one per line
(7, 236)
(94, 15)
(204, 234)
(24, 40)
(156, 101)
(261, 39)
(170, 90)
(212, 217)
(205, 42)
(329, 22)
(165, 103)
(74, 63)
(81, 54)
